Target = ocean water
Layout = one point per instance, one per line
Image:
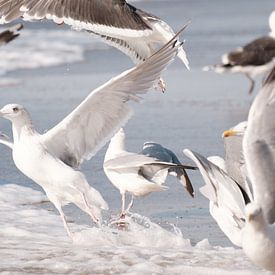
(50, 69)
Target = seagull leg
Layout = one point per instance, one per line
(130, 205)
(122, 214)
(70, 234)
(91, 213)
(252, 85)
(162, 85)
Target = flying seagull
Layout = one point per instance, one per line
(10, 34)
(52, 159)
(134, 32)
(248, 221)
(137, 174)
(255, 58)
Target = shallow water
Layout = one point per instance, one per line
(195, 110)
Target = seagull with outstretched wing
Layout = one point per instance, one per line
(52, 159)
(134, 32)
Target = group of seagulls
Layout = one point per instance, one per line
(240, 188)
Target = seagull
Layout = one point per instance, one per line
(248, 221)
(138, 174)
(255, 58)
(52, 159)
(133, 31)
(10, 34)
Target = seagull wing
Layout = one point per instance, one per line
(84, 131)
(150, 168)
(4, 139)
(161, 153)
(108, 17)
(259, 147)
(227, 199)
(10, 34)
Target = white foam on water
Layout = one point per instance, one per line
(46, 48)
(33, 240)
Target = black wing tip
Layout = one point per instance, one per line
(271, 77)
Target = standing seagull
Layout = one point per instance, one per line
(137, 174)
(255, 58)
(10, 34)
(253, 225)
(51, 159)
(134, 32)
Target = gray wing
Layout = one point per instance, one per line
(107, 17)
(10, 34)
(161, 153)
(4, 139)
(256, 53)
(259, 147)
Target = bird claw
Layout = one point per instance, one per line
(120, 221)
(161, 85)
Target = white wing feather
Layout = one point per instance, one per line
(84, 131)
(227, 203)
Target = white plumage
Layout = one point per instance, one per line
(252, 226)
(49, 159)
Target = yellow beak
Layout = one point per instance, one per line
(229, 133)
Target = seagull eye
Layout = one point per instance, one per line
(15, 109)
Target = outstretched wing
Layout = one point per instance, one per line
(84, 131)
(227, 199)
(108, 17)
(259, 147)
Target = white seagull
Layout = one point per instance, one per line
(255, 58)
(251, 227)
(52, 159)
(10, 34)
(137, 174)
(134, 32)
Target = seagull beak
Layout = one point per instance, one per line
(230, 133)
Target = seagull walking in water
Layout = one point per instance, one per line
(255, 58)
(248, 221)
(51, 159)
(138, 174)
(134, 32)
(10, 34)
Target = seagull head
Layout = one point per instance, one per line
(254, 215)
(237, 130)
(14, 112)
